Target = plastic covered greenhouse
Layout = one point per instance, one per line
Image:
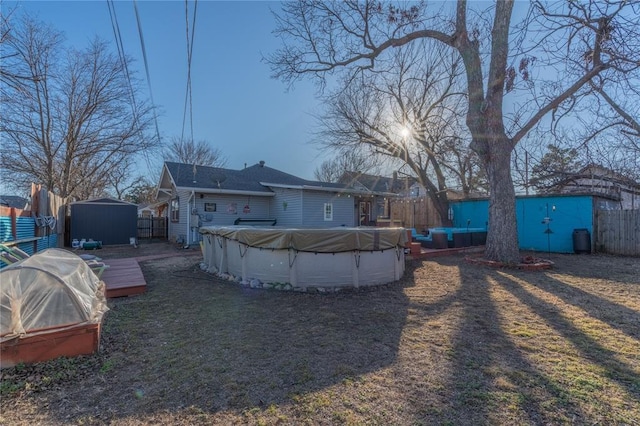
(51, 305)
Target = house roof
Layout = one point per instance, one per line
(597, 171)
(377, 183)
(254, 179)
(596, 179)
(13, 201)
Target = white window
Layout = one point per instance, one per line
(175, 210)
(328, 211)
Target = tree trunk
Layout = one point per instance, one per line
(441, 203)
(502, 239)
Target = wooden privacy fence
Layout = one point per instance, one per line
(416, 212)
(36, 229)
(152, 227)
(618, 232)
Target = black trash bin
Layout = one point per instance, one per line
(461, 239)
(478, 238)
(581, 241)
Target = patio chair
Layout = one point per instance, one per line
(420, 238)
(11, 255)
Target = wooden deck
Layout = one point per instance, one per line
(123, 277)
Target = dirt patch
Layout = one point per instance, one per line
(527, 263)
(452, 343)
(142, 250)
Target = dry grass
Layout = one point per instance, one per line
(451, 344)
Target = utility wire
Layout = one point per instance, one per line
(146, 68)
(189, 92)
(123, 60)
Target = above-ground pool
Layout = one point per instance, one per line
(303, 259)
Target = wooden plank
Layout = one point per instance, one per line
(618, 232)
(123, 277)
(23, 240)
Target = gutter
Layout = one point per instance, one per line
(193, 193)
(329, 189)
(227, 191)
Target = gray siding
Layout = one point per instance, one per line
(259, 208)
(178, 229)
(313, 207)
(291, 215)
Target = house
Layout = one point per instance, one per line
(596, 179)
(152, 210)
(203, 196)
(402, 186)
(393, 187)
(14, 201)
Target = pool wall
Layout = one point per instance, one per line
(267, 258)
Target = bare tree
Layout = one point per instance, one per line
(74, 115)
(579, 40)
(8, 75)
(412, 112)
(120, 179)
(200, 153)
(141, 192)
(348, 161)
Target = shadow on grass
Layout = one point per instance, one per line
(489, 374)
(598, 266)
(447, 345)
(589, 348)
(212, 346)
(616, 315)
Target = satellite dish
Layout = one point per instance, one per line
(218, 178)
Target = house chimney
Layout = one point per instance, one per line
(261, 163)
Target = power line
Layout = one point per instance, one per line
(146, 68)
(189, 92)
(123, 60)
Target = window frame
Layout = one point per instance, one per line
(328, 212)
(174, 209)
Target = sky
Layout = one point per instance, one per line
(237, 106)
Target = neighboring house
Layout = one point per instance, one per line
(14, 201)
(403, 186)
(152, 210)
(202, 196)
(375, 206)
(595, 179)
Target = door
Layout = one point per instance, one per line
(365, 213)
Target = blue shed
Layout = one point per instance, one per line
(566, 212)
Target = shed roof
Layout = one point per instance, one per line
(104, 200)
